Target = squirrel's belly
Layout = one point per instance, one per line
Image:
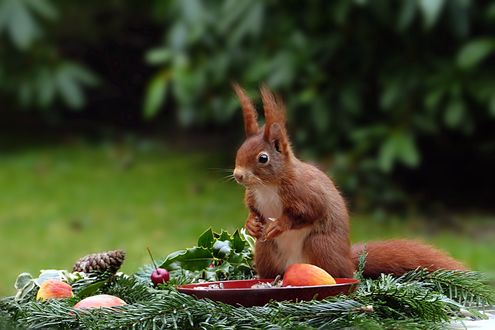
(290, 243)
(267, 201)
(290, 246)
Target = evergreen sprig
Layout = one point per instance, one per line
(461, 286)
(411, 301)
(417, 300)
(5, 319)
(393, 298)
(130, 290)
(358, 274)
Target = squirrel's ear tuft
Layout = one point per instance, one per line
(275, 132)
(248, 111)
(273, 107)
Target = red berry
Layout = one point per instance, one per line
(160, 276)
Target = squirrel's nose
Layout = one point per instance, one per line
(238, 175)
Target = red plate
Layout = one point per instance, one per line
(241, 293)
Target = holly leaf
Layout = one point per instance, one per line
(222, 249)
(236, 258)
(206, 239)
(218, 256)
(196, 258)
(223, 270)
(224, 236)
(237, 242)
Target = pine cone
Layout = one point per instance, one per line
(100, 262)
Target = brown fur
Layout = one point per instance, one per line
(400, 256)
(306, 202)
(274, 118)
(248, 111)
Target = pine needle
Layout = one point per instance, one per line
(417, 300)
(466, 287)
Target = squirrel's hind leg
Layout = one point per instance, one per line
(333, 254)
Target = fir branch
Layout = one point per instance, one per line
(386, 303)
(416, 300)
(170, 309)
(332, 312)
(130, 289)
(165, 310)
(358, 274)
(466, 287)
(395, 299)
(10, 311)
(6, 320)
(50, 314)
(175, 310)
(409, 324)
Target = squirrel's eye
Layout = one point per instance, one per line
(263, 158)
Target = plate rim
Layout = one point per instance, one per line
(191, 286)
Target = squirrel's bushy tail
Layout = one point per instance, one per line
(400, 256)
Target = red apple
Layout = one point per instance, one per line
(306, 275)
(101, 300)
(51, 289)
(160, 276)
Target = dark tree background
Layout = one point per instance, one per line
(395, 98)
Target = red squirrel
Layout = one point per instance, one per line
(298, 215)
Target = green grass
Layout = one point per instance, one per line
(61, 202)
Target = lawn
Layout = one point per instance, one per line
(60, 202)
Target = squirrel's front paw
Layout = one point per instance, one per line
(275, 227)
(254, 227)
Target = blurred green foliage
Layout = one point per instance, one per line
(364, 81)
(32, 69)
